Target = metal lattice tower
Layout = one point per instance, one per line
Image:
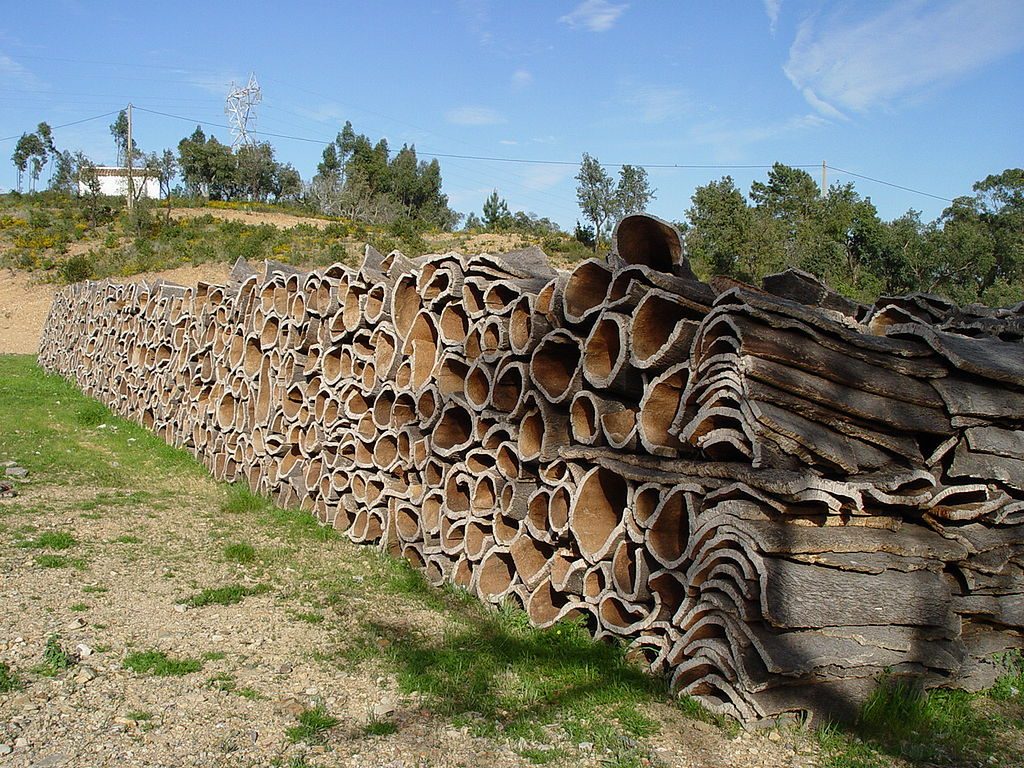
(240, 109)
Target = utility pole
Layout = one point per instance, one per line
(824, 178)
(128, 155)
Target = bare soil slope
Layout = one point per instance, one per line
(25, 302)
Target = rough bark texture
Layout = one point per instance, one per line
(773, 495)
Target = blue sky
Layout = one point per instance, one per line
(927, 95)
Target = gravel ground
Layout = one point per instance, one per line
(265, 660)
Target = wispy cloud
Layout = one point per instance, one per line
(14, 74)
(654, 103)
(772, 8)
(217, 84)
(729, 140)
(902, 52)
(478, 18)
(521, 79)
(474, 116)
(594, 15)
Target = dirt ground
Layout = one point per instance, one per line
(25, 302)
(123, 587)
(282, 220)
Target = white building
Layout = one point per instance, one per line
(114, 181)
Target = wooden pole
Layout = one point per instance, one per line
(128, 160)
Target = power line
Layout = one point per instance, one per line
(65, 125)
(515, 160)
(494, 159)
(890, 184)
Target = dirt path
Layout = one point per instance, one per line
(25, 302)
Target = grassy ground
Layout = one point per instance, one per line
(539, 693)
(66, 240)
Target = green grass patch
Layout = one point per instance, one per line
(937, 728)
(60, 561)
(240, 552)
(47, 423)
(214, 656)
(378, 727)
(313, 726)
(239, 500)
(94, 589)
(229, 595)
(309, 618)
(78, 607)
(159, 664)
(9, 680)
(503, 677)
(50, 540)
(127, 540)
(296, 524)
(139, 715)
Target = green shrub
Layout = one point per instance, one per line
(76, 269)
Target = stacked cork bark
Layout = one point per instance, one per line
(772, 495)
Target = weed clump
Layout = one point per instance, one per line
(55, 658)
(229, 595)
(240, 552)
(313, 726)
(159, 664)
(9, 680)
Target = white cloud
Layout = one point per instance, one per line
(521, 78)
(509, 142)
(595, 15)
(772, 8)
(654, 103)
(474, 116)
(902, 52)
(14, 74)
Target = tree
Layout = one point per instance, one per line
(21, 155)
(999, 199)
(360, 179)
(584, 234)
(329, 165)
(45, 134)
(29, 153)
(634, 192)
(64, 174)
(208, 167)
(89, 181)
(496, 213)
(166, 166)
(473, 222)
(256, 170)
(721, 229)
(119, 130)
(287, 183)
(596, 196)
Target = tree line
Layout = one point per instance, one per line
(974, 251)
